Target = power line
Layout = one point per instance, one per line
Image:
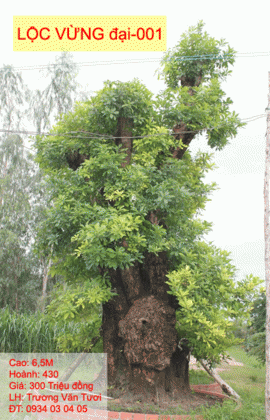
(255, 53)
(89, 135)
(93, 63)
(203, 57)
(146, 60)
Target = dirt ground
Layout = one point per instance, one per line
(185, 403)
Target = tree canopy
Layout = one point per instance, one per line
(125, 186)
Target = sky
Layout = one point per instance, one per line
(237, 208)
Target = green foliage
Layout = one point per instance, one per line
(84, 220)
(98, 115)
(79, 306)
(202, 106)
(99, 218)
(117, 99)
(258, 314)
(255, 340)
(206, 109)
(209, 58)
(209, 299)
(240, 328)
(255, 345)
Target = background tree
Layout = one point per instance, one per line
(255, 340)
(126, 211)
(59, 95)
(18, 174)
(24, 277)
(20, 276)
(14, 95)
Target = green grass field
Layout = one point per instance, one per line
(248, 381)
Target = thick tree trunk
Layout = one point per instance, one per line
(124, 137)
(145, 358)
(139, 333)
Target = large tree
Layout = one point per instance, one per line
(20, 196)
(125, 217)
(19, 189)
(60, 93)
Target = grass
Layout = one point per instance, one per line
(26, 333)
(248, 381)
(36, 333)
(197, 377)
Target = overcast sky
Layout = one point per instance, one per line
(236, 209)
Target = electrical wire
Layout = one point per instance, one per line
(145, 60)
(93, 63)
(89, 135)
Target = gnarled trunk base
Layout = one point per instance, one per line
(145, 361)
